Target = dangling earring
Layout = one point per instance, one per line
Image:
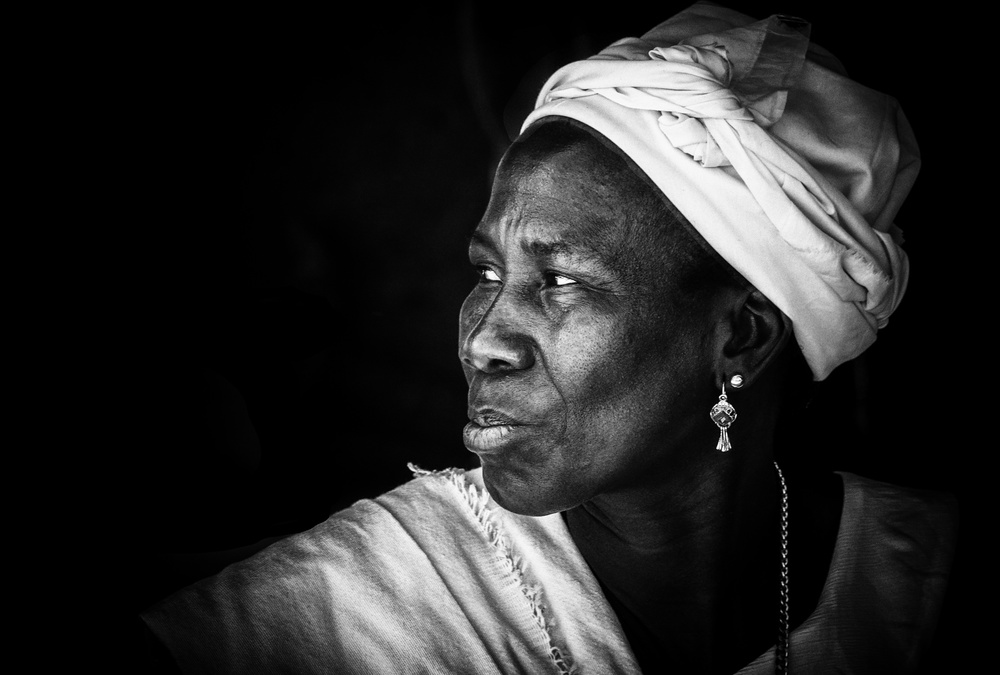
(724, 414)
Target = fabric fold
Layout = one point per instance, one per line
(788, 169)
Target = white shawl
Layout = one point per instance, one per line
(434, 577)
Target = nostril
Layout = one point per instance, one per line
(498, 366)
(497, 353)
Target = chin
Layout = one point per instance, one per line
(523, 497)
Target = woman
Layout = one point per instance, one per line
(682, 235)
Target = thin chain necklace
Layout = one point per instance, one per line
(781, 649)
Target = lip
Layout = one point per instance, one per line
(489, 430)
(490, 417)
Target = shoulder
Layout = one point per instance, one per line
(301, 603)
(391, 584)
(886, 584)
(921, 523)
(896, 544)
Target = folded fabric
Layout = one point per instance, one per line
(790, 170)
(434, 577)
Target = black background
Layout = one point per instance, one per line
(298, 192)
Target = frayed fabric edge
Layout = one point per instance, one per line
(477, 501)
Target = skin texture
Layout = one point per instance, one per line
(591, 342)
(594, 344)
(580, 349)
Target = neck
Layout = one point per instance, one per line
(690, 562)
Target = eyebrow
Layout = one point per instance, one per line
(475, 237)
(535, 248)
(550, 249)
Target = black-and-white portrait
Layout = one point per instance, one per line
(484, 338)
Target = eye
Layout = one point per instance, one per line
(553, 279)
(488, 276)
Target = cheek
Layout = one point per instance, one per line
(624, 382)
(592, 360)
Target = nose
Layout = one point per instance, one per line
(494, 339)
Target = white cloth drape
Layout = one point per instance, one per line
(790, 170)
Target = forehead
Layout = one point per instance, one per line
(567, 199)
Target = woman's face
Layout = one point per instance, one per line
(586, 365)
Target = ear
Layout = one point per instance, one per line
(757, 332)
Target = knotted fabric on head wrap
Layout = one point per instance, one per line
(792, 172)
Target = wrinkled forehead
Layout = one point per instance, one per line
(562, 164)
(560, 188)
(576, 153)
(564, 171)
(558, 196)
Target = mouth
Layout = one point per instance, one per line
(492, 418)
(489, 430)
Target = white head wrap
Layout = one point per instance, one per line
(792, 172)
